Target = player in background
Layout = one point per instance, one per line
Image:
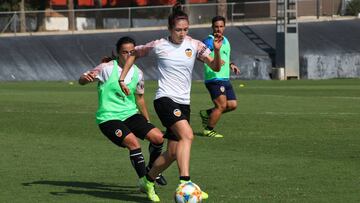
(124, 118)
(218, 83)
(175, 57)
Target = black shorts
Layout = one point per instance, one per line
(169, 113)
(217, 88)
(117, 130)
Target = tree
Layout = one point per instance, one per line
(9, 5)
(353, 7)
(23, 6)
(222, 8)
(22, 16)
(71, 16)
(98, 15)
(39, 5)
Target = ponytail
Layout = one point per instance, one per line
(177, 14)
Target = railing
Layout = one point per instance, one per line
(153, 16)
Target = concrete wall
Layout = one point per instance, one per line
(327, 50)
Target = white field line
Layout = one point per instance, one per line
(302, 113)
(47, 112)
(290, 113)
(194, 114)
(325, 97)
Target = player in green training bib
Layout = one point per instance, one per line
(218, 83)
(124, 118)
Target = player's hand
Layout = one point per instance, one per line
(89, 76)
(124, 88)
(218, 41)
(234, 69)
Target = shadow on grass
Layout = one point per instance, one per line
(100, 190)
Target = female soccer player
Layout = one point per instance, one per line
(175, 56)
(118, 114)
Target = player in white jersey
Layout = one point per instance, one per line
(175, 56)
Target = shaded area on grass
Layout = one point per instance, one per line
(100, 190)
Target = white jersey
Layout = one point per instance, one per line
(175, 63)
(104, 70)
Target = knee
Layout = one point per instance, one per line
(183, 131)
(158, 139)
(231, 107)
(187, 137)
(155, 136)
(172, 155)
(222, 107)
(131, 142)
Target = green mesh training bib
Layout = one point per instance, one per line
(224, 72)
(113, 103)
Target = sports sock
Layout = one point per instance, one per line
(209, 111)
(155, 151)
(137, 160)
(185, 178)
(149, 178)
(209, 128)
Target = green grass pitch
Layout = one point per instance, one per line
(288, 141)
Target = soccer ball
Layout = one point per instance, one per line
(188, 192)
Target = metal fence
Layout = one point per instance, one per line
(153, 16)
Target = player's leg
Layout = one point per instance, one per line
(155, 149)
(164, 160)
(160, 164)
(214, 116)
(211, 116)
(226, 104)
(175, 117)
(184, 133)
(220, 107)
(231, 98)
(224, 100)
(156, 139)
(182, 129)
(145, 130)
(118, 133)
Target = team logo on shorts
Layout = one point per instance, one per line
(118, 133)
(188, 52)
(222, 89)
(177, 112)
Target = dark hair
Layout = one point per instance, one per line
(177, 14)
(124, 40)
(119, 43)
(217, 18)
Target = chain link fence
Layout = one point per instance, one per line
(154, 16)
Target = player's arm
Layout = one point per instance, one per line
(141, 50)
(140, 102)
(88, 77)
(139, 96)
(129, 62)
(92, 75)
(216, 62)
(234, 68)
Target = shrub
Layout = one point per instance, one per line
(353, 7)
